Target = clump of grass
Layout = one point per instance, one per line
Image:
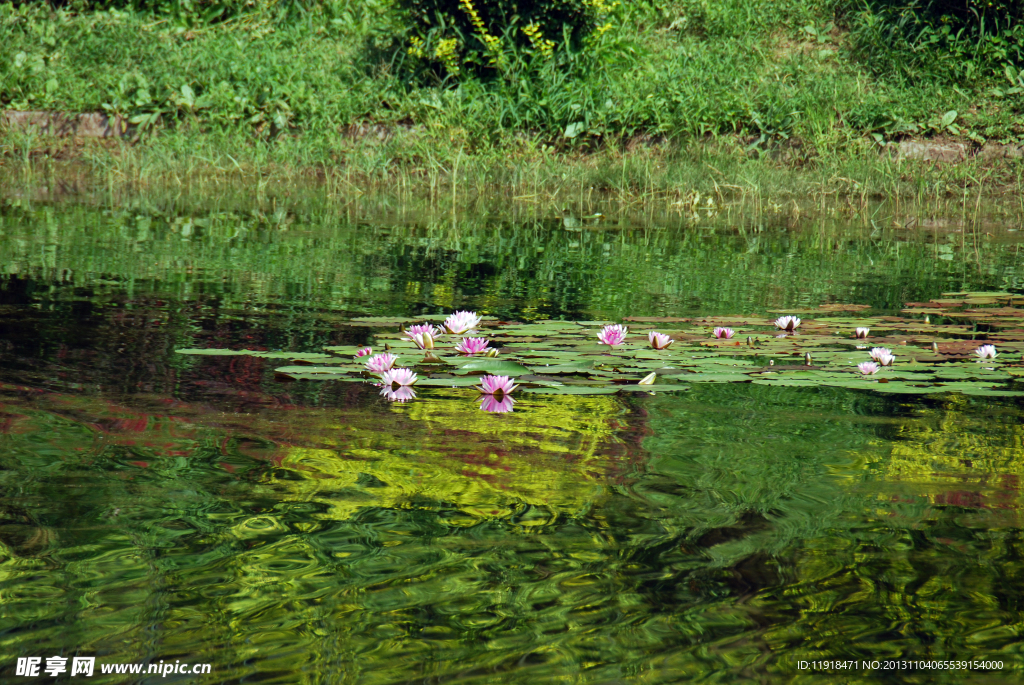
(425, 170)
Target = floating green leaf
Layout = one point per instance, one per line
(574, 390)
(311, 356)
(453, 382)
(495, 367)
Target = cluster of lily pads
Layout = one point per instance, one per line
(910, 353)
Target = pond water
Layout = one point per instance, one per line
(202, 509)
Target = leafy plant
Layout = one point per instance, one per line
(972, 17)
(1016, 79)
(954, 39)
(451, 38)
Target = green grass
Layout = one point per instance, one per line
(736, 96)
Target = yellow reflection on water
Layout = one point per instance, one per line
(555, 455)
(960, 453)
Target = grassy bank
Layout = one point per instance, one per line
(778, 100)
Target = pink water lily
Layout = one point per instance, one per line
(434, 331)
(862, 333)
(424, 341)
(659, 341)
(612, 335)
(882, 355)
(403, 394)
(724, 332)
(396, 378)
(787, 323)
(424, 335)
(379, 363)
(461, 322)
(496, 385)
(472, 346)
(986, 352)
(363, 351)
(868, 368)
(497, 404)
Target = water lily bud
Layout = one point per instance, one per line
(648, 379)
(807, 359)
(935, 347)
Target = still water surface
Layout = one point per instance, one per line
(161, 507)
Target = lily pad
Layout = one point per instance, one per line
(459, 382)
(495, 367)
(711, 378)
(299, 376)
(255, 353)
(789, 382)
(574, 390)
(346, 349)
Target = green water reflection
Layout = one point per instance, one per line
(159, 508)
(536, 268)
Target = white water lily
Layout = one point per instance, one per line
(867, 368)
(396, 378)
(986, 352)
(882, 355)
(402, 393)
(787, 323)
(461, 322)
(862, 332)
(659, 341)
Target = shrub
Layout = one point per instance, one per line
(458, 38)
(972, 17)
(953, 39)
